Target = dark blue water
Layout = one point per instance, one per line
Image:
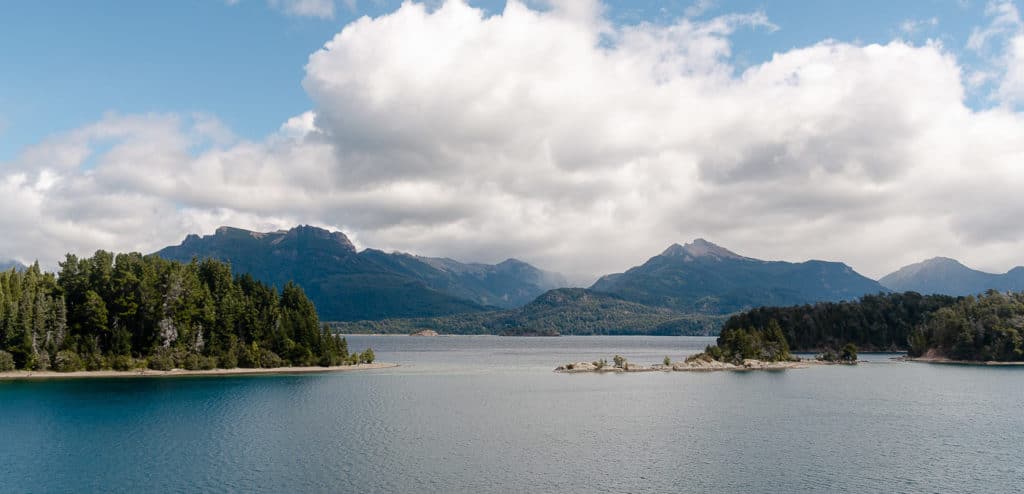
(486, 414)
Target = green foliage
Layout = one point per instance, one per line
(367, 356)
(67, 361)
(565, 311)
(737, 344)
(848, 353)
(619, 360)
(875, 322)
(667, 361)
(122, 363)
(984, 328)
(161, 362)
(6, 361)
(112, 311)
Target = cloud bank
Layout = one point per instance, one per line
(562, 139)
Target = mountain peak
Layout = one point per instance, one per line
(941, 261)
(700, 248)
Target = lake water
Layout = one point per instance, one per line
(486, 414)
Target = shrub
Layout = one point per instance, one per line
(828, 356)
(122, 363)
(94, 361)
(249, 356)
(67, 361)
(570, 366)
(190, 362)
(667, 361)
(207, 363)
(227, 361)
(161, 362)
(327, 360)
(38, 361)
(269, 359)
(6, 361)
(619, 361)
(849, 353)
(367, 357)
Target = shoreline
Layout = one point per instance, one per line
(696, 366)
(23, 375)
(946, 361)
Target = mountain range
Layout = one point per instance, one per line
(348, 285)
(942, 275)
(701, 277)
(675, 292)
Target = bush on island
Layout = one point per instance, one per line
(849, 353)
(619, 361)
(367, 357)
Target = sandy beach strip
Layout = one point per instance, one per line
(25, 375)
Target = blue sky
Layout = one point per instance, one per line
(577, 135)
(68, 62)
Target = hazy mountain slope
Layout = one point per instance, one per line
(949, 277)
(9, 264)
(565, 311)
(703, 277)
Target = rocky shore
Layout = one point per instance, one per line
(942, 360)
(692, 365)
(425, 332)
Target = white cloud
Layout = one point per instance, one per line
(912, 26)
(558, 138)
(699, 7)
(323, 9)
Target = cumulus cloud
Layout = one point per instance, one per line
(560, 138)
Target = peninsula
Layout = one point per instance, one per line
(129, 314)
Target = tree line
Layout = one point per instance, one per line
(128, 311)
(988, 327)
(882, 322)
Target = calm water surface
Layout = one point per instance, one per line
(486, 414)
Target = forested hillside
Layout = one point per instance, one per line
(130, 310)
(989, 327)
(565, 311)
(874, 322)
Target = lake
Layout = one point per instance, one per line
(487, 414)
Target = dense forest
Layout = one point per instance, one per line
(988, 327)
(563, 311)
(881, 322)
(129, 311)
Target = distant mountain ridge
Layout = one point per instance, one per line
(942, 275)
(701, 277)
(562, 311)
(9, 264)
(348, 285)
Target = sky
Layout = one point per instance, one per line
(580, 136)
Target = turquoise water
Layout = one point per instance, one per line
(486, 414)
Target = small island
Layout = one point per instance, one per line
(425, 332)
(134, 315)
(737, 350)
